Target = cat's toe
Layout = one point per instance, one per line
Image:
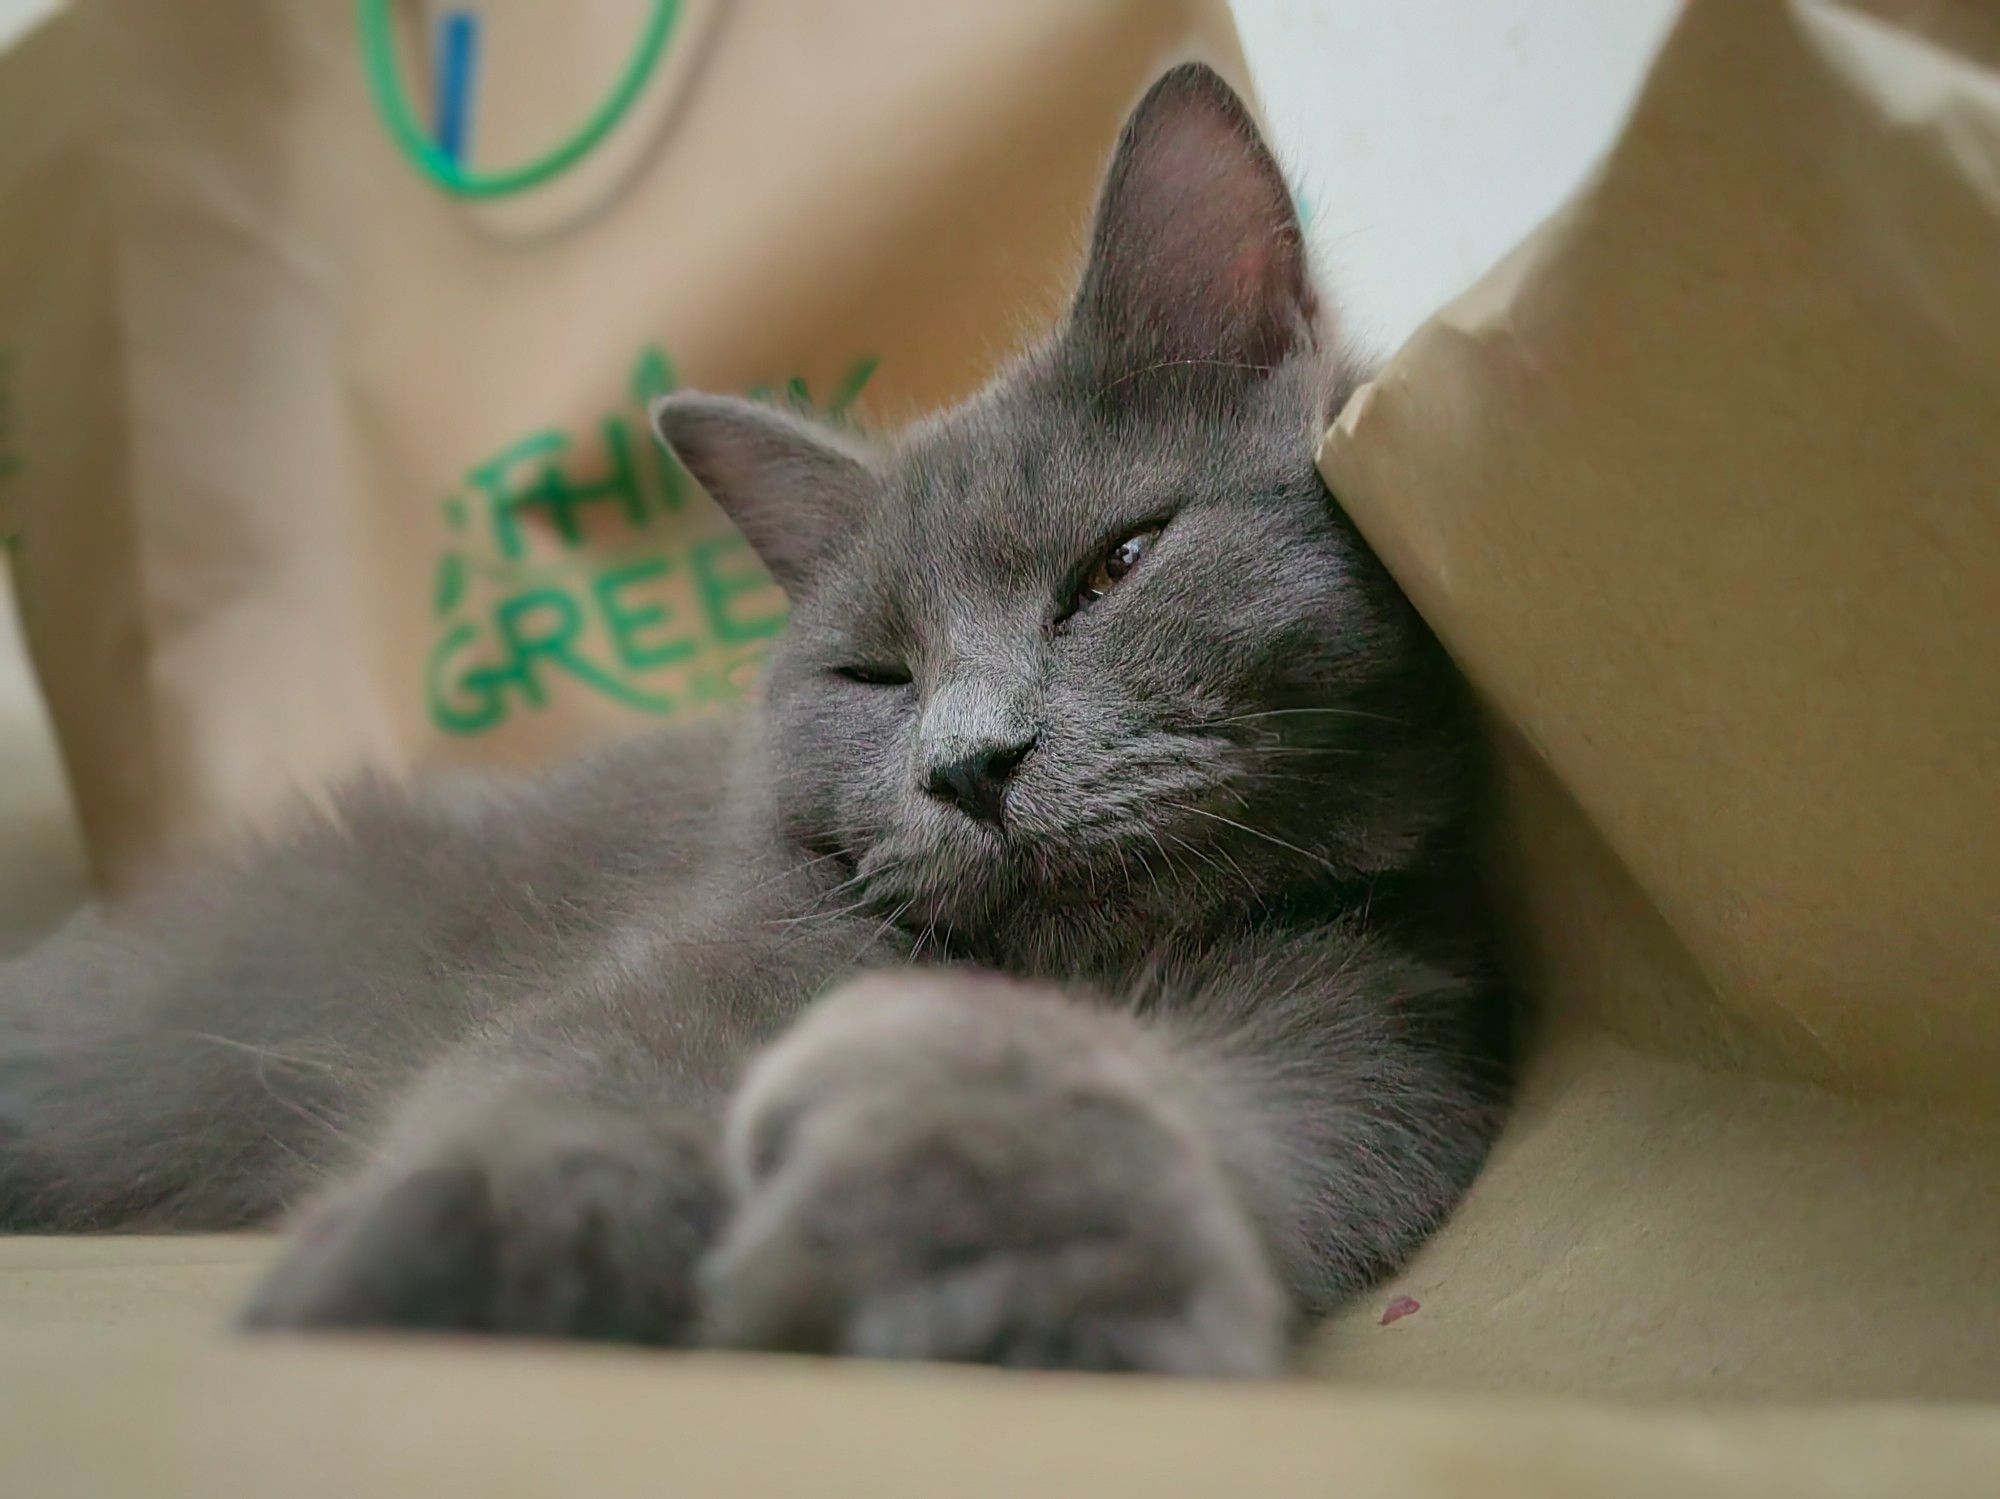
(1025, 1316)
(1123, 1303)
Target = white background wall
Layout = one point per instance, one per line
(1427, 136)
(16, 13)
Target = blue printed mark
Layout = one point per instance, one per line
(457, 59)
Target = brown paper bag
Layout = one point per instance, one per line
(1701, 486)
(311, 463)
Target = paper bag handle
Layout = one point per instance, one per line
(378, 56)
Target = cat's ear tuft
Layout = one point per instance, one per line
(790, 485)
(1197, 258)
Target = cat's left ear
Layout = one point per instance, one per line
(1197, 259)
(790, 485)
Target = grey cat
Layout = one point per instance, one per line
(1073, 962)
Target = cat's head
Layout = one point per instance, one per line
(1095, 652)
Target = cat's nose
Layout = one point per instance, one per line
(976, 783)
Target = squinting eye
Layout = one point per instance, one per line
(1113, 567)
(875, 676)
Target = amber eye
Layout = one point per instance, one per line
(1113, 567)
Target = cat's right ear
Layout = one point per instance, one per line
(790, 485)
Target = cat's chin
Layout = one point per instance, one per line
(1014, 905)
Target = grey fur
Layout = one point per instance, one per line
(549, 1055)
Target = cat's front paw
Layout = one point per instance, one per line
(536, 1220)
(947, 1166)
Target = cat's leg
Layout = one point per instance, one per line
(145, 1086)
(202, 1052)
(556, 1174)
(948, 1166)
